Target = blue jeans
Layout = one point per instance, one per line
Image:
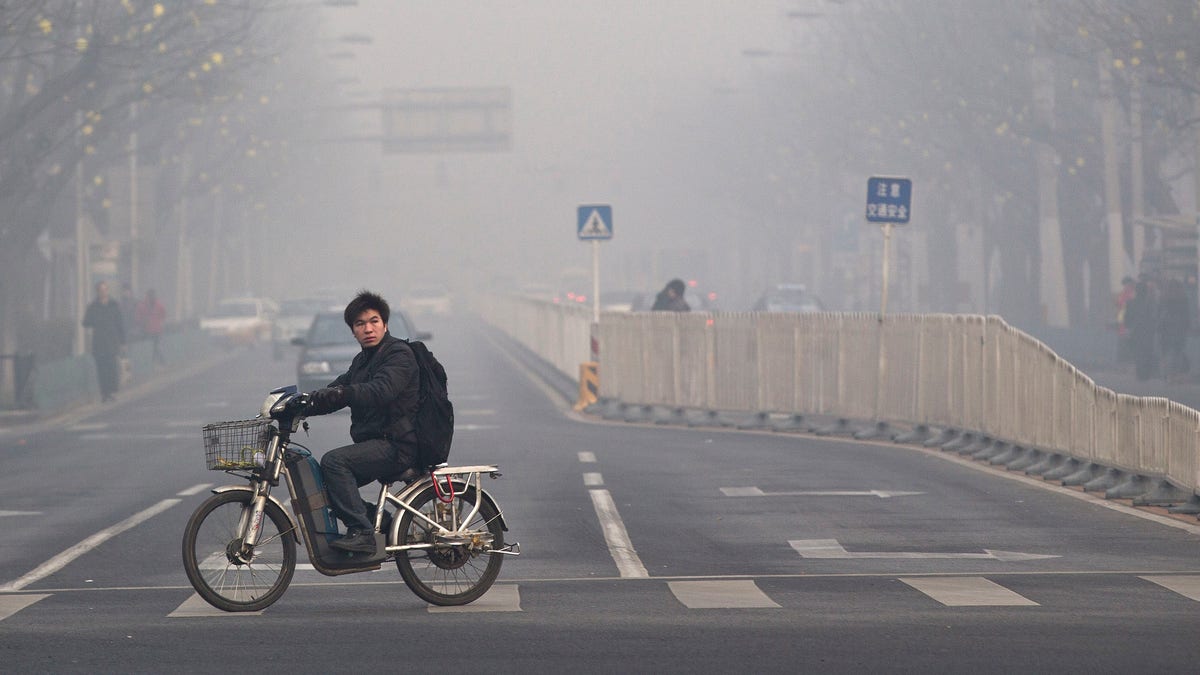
(350, 467)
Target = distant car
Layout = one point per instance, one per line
(241, 321)
(329, 346)
(296, 316)
(428, 300)
(788, 298)
(619, 301)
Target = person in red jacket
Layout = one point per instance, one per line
(151, 316)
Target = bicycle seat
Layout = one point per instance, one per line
(408, 475)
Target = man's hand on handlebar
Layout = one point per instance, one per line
(326, 400)
(298, 405)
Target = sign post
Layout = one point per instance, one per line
(889, 202)
(594, 223)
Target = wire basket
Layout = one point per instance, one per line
(236, 445)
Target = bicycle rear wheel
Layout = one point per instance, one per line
(224, 575)
(450, 573)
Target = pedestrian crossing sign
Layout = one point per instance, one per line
(594, 222)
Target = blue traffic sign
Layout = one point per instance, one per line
(595, 222)
(889, 200)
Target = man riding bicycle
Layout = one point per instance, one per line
(382, 389)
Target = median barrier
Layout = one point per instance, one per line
(993, 392)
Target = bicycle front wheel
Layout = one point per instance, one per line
(226, 574)
(452, 572)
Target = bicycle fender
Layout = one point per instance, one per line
(286, 511)
(412, 488)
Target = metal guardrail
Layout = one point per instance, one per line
(964, 372)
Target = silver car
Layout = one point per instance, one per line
(329, 346)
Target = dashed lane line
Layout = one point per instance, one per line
(724, 594)
(11, 604)
(593, 479)
(619, 546)
(63, 559)
(498, 598)
(1187, 586)
(587, 457)
(968, 592)
(195, 606)
(194, 490)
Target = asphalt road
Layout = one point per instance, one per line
(644, 549)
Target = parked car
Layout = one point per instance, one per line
(329, 346)
(241, 321)
(428, 300)
(788, 298)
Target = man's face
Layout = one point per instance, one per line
(368, 328)
(102, 292)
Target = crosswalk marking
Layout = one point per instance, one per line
(720, 594)
(11, 604)
(195, 606)
(499, 598)
(1187, 586)
(967, 592)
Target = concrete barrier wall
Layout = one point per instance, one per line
(971, 373)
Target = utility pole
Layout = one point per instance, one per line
(1137, 186)
(1117, 269)
(1053, 291)
(81, 250)
(133, 199)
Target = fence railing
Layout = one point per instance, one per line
(966, 372)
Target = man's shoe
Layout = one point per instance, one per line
(356, 541)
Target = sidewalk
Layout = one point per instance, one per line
(16, 422)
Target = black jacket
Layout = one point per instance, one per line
(382, 388)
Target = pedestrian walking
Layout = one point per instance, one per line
(103, 316)
(151, 318)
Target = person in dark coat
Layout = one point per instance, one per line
(670, 298)
(103, 316)
(1141, 317)
(1174, 323)
(382, 388)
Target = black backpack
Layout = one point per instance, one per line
(434, 421)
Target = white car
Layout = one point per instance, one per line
(241, 321)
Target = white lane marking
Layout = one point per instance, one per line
(587, 457)
(92, 426)
(20, 513)
(757, 492)
(132, 437)
(830, 549)
(185, 425)
(593, 479)
(1188, 586)
(63, 559)
(474, 427)
(11, 604)
(195, 489)
(475, 411)
(968, 592)
(723, 594)
(499, 598)
(195, 606)
(619, 545)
